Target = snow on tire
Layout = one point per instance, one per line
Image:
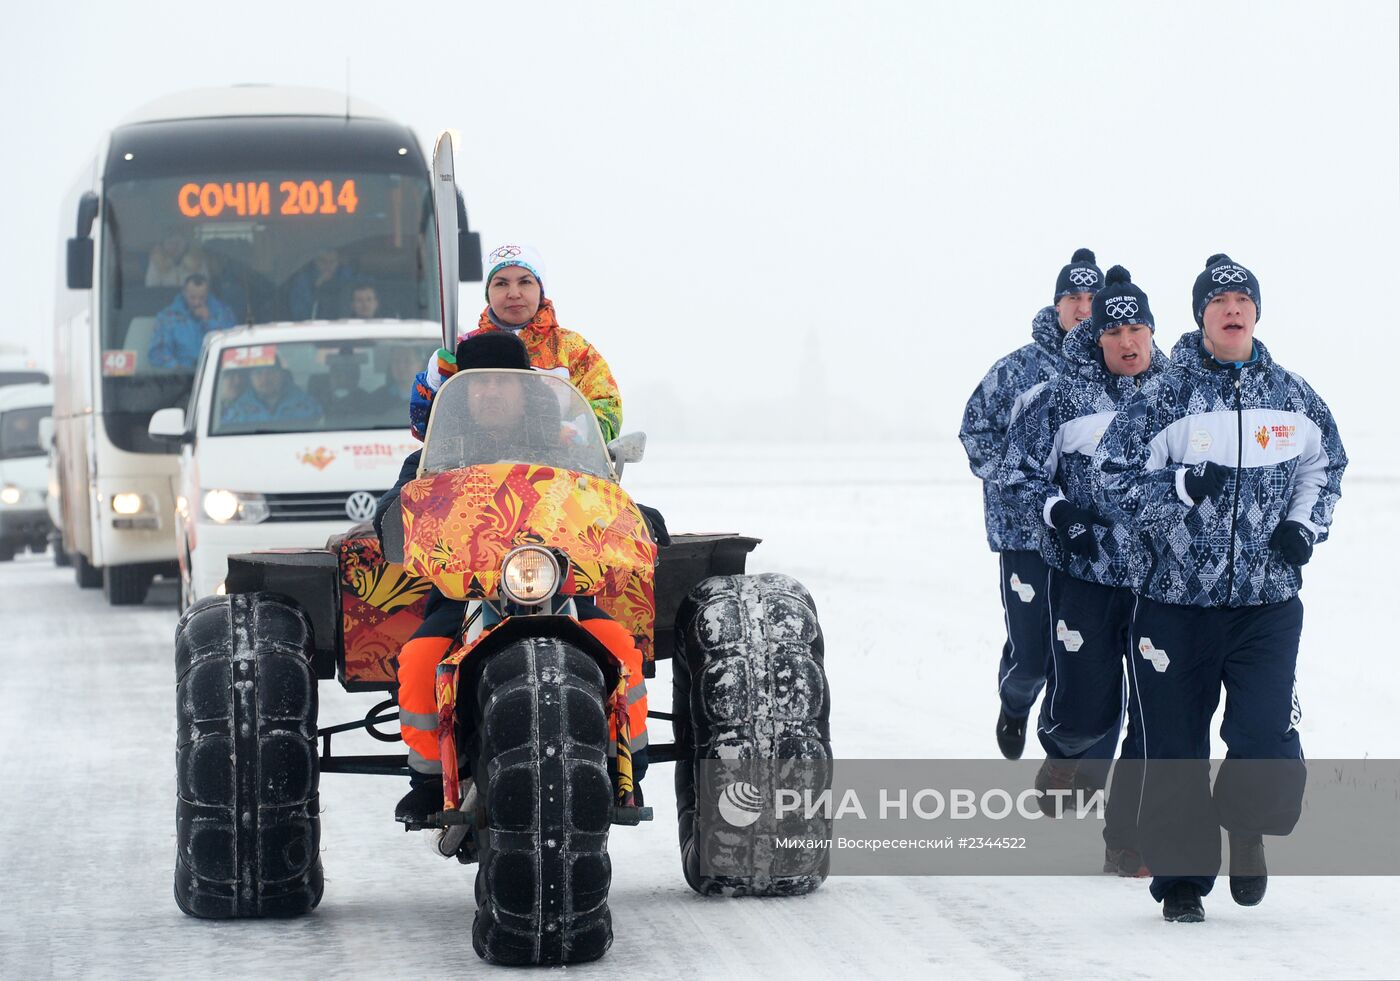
(247, 823)
(541, 759)
(749, 685)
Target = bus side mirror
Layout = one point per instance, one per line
(468, 246)
(469, 256)
(46, 432)
(80, 245)
(80, 263)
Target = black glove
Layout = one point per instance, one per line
(1075, 527)
(656, 524)
(1205, 479)
(1293, 541)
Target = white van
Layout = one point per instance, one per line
(24, 476)
(291, 434)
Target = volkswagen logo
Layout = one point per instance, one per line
(1083, 277)
(359, 506)
(1118, 308)
(1229, 274)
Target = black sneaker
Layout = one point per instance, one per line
(1126, 862)
(1249, 877)
(1182, 903)
(423, 800)
(1011, 735)
(1056, 775)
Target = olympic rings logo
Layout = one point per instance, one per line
(1229, 274)
(1120, 307)
(1083, 277)
(505, 252)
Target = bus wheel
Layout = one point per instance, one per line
(125, 585)
(85, 574)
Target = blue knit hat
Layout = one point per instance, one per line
(1222, 275)
(1080, 276)
(1120, 302)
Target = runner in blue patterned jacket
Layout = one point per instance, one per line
(1231, 466)
(1011, 530)
(1094, 564)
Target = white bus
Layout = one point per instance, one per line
(202, 211)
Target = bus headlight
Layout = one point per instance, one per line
(226, 506)
(529, 575)
(127, 503)
(10, 494)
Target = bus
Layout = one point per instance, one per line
(205, 210)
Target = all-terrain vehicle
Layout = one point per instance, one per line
(519, 516)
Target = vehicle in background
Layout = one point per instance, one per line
(18, 368)
(24, 520)
(292, 433)
(282, 204)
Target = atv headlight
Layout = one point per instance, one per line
(529, 575)
(226, 506)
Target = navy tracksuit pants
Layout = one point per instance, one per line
(1182, 655)
(1025, 657)
(1082, 713)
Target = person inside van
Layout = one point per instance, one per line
(271, 396)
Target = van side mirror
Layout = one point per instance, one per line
(79, 259)
(168, 425)
(627, 449)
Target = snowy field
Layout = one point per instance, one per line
(889, 540)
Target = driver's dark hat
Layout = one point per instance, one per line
(492, 349)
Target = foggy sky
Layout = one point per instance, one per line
(747, 204)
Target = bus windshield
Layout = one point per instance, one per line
(256, 221)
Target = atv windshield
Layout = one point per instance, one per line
(499, 415)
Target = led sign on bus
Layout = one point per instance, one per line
(254, 198)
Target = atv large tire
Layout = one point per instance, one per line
(541, 764)
(247, 816)
(749, 686)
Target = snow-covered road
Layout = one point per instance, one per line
(905, 586)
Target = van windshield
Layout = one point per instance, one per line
(315, 386)
(19, 431)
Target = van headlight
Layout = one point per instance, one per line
(10, 494)
(226, 506)
(529, 575)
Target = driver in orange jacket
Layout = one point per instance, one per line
(514, 290)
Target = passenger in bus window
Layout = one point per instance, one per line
(174, 259)
(319, 291)
(271, 396)
(364, 302)
(180, 327)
